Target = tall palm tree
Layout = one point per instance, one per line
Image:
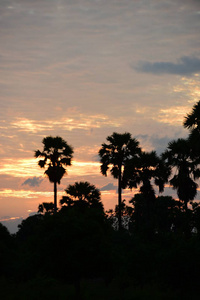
(55, 156)
(115, 155)
(184, 169)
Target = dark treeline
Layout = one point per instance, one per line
(148, 248)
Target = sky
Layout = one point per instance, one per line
(83, 69)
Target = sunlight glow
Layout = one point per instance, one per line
(10, 219)
(20, 167)
(29, 167)
(26, 194)
(79, 121)
(173, 115)
(84, 168)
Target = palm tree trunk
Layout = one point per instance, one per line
(55, 196)
(185, 204)
(187, 221)
(120, 198)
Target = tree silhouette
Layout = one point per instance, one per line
(140, 172)
(115, 155)
(46, 207)
(192, 122)
(184, 169)
(82, 194)
(56, 154)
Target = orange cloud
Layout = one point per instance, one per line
(173, 115)
(78, 121)
(29, 167)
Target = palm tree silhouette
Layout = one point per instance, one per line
(82, 194)
(115, 155)
(192, 122)
(56, 154)
(140, 172)
(184, 169)
(147, 167)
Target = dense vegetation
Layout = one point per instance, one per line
(146, 249)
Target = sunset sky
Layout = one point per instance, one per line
(82, 69)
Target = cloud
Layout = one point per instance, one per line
(11, 223)
(156, 142)
(33, 213)
(185, 66)
(35, 181)
(77, 121)
(160, 144)
(109, 187)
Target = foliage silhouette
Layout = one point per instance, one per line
(6, 251)
(82, 194)
(69, 246)
(192, 120)
(115, 154)
(141, 171)
(56, 154)
(185, 169)
(46, 207)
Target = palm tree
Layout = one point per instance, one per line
(55, 155)
(184, 169)
(148, 166)
(115, 155)
(82, 194)
(142, 172)
(192, 122)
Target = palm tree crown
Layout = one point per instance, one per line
(82, 194)
(148, 166)
(192, 120)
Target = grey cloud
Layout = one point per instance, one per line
(159, 144)
(12, 223)
(185, 66)
(109, 187)
(35, 181)
(33, 213)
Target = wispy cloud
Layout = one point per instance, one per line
(173, 115)
(20, 167)
(35, 181)
(79, 121)
(28, 167)
(109, 187)
(7, 193)
(186, 65)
